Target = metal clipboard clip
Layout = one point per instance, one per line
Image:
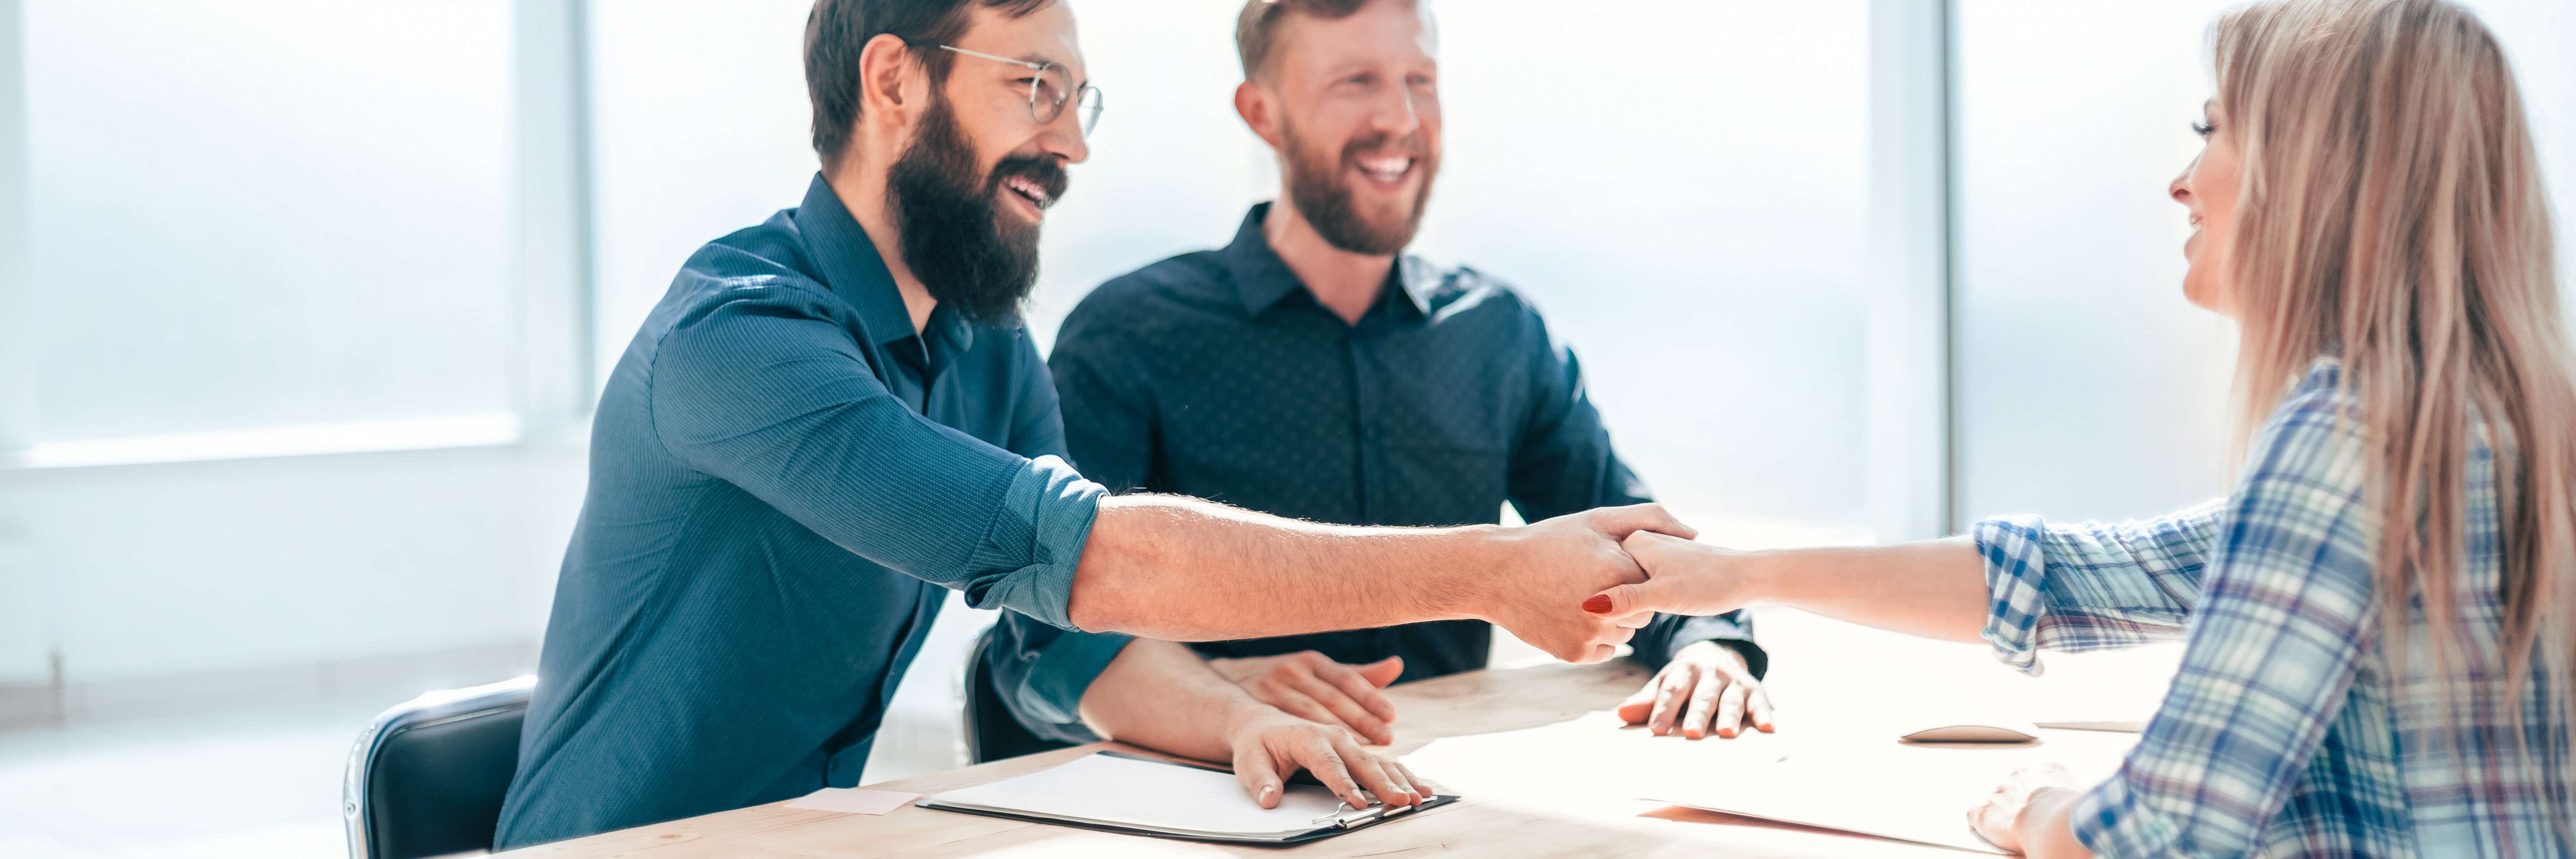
(1345, 817)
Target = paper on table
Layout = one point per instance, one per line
(1592, 757)
(1909, 792)
(1850, 775)
(848, 800)
(1150, 794)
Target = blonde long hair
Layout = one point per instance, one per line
(2392, 213)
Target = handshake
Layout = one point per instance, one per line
(1580, 585)
(1576, 586)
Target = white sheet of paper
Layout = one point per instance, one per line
(1915, 793)
(1850, 775)
(1121, 790)
(850, 800)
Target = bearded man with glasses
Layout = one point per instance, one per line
(836, 413)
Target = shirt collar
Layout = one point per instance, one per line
(1262, 279)
(850, 266)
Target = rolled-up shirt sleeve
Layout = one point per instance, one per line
(1043, 671)
(766, 393)
(1667, 634)
(2091, 586)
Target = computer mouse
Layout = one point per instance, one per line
(1971, 734)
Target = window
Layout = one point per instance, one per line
(257, 215)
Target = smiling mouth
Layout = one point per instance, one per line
(1029, 190)
(1386, 169)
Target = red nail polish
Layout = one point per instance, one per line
(1598, 605)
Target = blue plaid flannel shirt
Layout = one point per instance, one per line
(2286, 733)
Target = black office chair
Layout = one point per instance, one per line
(992, 733)
(427, 777)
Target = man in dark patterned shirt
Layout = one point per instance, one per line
(1312, 370)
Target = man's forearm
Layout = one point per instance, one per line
(1161, 695)
(1182, 569)
(1934, 589)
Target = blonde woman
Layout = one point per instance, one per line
(2376, 620)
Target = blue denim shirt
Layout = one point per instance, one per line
(1217, 374)
(783, 475)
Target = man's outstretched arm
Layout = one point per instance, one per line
(767, 394)
(1182, 569)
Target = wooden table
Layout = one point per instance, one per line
(1472, 703)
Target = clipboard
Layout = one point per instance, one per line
(1137, 795)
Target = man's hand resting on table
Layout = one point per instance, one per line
(1160, 695)
(1270, 745)
(1311, 686)
(1706, 689)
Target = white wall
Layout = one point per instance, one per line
(2087, 387)
(24, 640)
(153, 570)
(1687, 203)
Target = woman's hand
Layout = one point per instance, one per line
(1270, 745)
(1706, 689)
(2028, 814)
(1543, 570)
(1682, 577)
(1310, 686)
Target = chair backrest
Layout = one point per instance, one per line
(427, 777)
(992, 733)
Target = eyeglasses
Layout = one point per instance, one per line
(1049, 90)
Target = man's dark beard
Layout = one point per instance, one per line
(1317, 188)
(954, 237)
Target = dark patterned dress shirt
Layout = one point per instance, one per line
(1217, 374)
